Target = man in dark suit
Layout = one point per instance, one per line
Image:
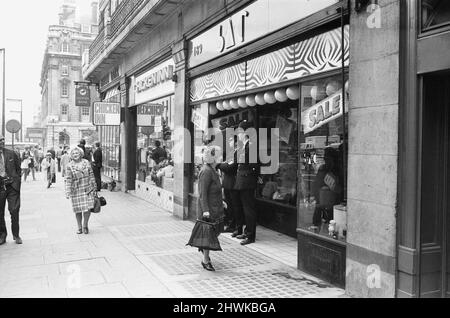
(82, 145)
(10, 182)
(97, 165)
(246, 181)
(234, 216)
(158, 154)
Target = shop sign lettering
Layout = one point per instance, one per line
(155, 78)
(323, 112)
(106, 114)
(155, 83)
(150, 114)
(232, 120)
(253, 22)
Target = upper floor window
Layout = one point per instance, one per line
(435, 14)
(65, 70)
(85, 111)
(65, 47)
(64, 110)
(65, 90)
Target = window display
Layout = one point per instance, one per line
(322, 171)
(154, 143)
(110, 141)
(281, 187)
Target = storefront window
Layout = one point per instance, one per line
(154, 143)
(110, 141)
(200, 123)
(281, 187)
(322, 145)
(435, 13)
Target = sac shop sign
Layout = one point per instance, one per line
(151, 114)
(322, 113)
(106, 114)
(155, 83)
(233, 120)
(253, 22)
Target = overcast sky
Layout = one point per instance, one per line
(23, 33)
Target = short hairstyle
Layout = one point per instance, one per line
(82, 142)
(212, 154)
(76, 149)
(157, 143)
(97, 144)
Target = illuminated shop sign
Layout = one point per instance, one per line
(255, 21)
(322, 113)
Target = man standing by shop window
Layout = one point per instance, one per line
(97, 165)
(158, 154)
(246, 181)
(10, 182)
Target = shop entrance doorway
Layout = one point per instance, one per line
(435, 188)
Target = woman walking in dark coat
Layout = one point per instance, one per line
(80, 187)
(210, 196)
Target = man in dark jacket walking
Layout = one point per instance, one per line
(97, 165)
(246, 181)
(10, 182)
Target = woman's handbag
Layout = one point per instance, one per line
(98, 203)
(204, 236)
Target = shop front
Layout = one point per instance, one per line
(293, 91)
(153, 105)
(109, 137)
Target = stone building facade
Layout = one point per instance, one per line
(64, 122)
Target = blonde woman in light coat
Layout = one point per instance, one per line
(80, 188)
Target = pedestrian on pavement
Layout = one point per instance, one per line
(210, 196)
(80, 188)
(65, 158)
(49, 166)
(25, 165)
(58, 157)
(98, 165)
(234, 215)
(10, 182)
(52, 151)
(246, 181)
(88, 153)
(82, 146)
(32, 166)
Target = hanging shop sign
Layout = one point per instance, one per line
(106, 114)
(255, 21)
(322, 113)
(233, 120)
(155, 83)
(82, 96)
